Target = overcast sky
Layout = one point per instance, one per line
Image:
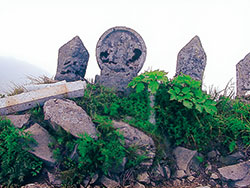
(34, 30)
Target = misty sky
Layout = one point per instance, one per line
(34, 30)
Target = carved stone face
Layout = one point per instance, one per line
(120, 50)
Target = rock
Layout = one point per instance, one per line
(138, 185)
(120, 168)
(73, 59)
(120, 53)
(243, 76)
(190, 178)
(135, 137)
(185, 159)
(143, 178)
(207, 186)
(232, 159)
(176, 182)
(25, 101)
(192, 59)
(54, 179)
(159, 173)
(42, 137)
(238, 173)
(19, 120)
(72, 118)
(109, 183)
(214, 176)
(180, 174)
(212, 154)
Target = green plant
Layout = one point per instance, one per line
(149, 80)
(188, 91)
(16, 163)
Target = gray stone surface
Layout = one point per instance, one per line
(72, 61)
(109, 183)
(185, 159)
(232, 159)
(19, 120)
(72, 118)
(120, 54)
(31, 99)
(160, 172)
(143, 178)
(238, 173)
(243, 76)
(135, 137)
(32, 87)
(192, 59)
(41, 149)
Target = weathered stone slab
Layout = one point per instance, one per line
(19, 120)
(135, 137)
(238, 173)
(31, 99)
(73, 59)
(42, 137)
(33, 87)
(120, 54)
(243, 76)
(192, 59)
(71, 117)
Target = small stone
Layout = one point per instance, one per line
(176, 182)
(232, 159)
(71, 117)
(143, 178)
(207, 186)
(184, 158)
(167, 172)
(214, 176)
(72, 61)
(190, 178)
(54, 179)
(109, 183)
(180, 174)
(94, 178)
(19, 120)
(212, 154)
(42, 137)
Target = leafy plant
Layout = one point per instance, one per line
(150, 80)
(16, 163)
(188, 91)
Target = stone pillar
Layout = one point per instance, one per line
(192, 59)
(120, 53)
(73, 59)
(243, 76)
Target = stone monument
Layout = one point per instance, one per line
(120, 54)
(72, 61)
(243, 76)
(192, 59)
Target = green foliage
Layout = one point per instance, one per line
(16, 163)
(188, 91)
(149, 80)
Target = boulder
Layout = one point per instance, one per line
(143, 178)
(238, 174)
(68, 115)
(192, 59)
(120, 53)
(135, 137)
(72, 61)
(41, 149)
(19, 120)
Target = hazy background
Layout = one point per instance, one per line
(32, 31)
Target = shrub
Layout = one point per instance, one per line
(16, 163)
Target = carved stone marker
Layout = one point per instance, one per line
(192, 59)
(120, 54)
(243, 76)
(72, 61)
